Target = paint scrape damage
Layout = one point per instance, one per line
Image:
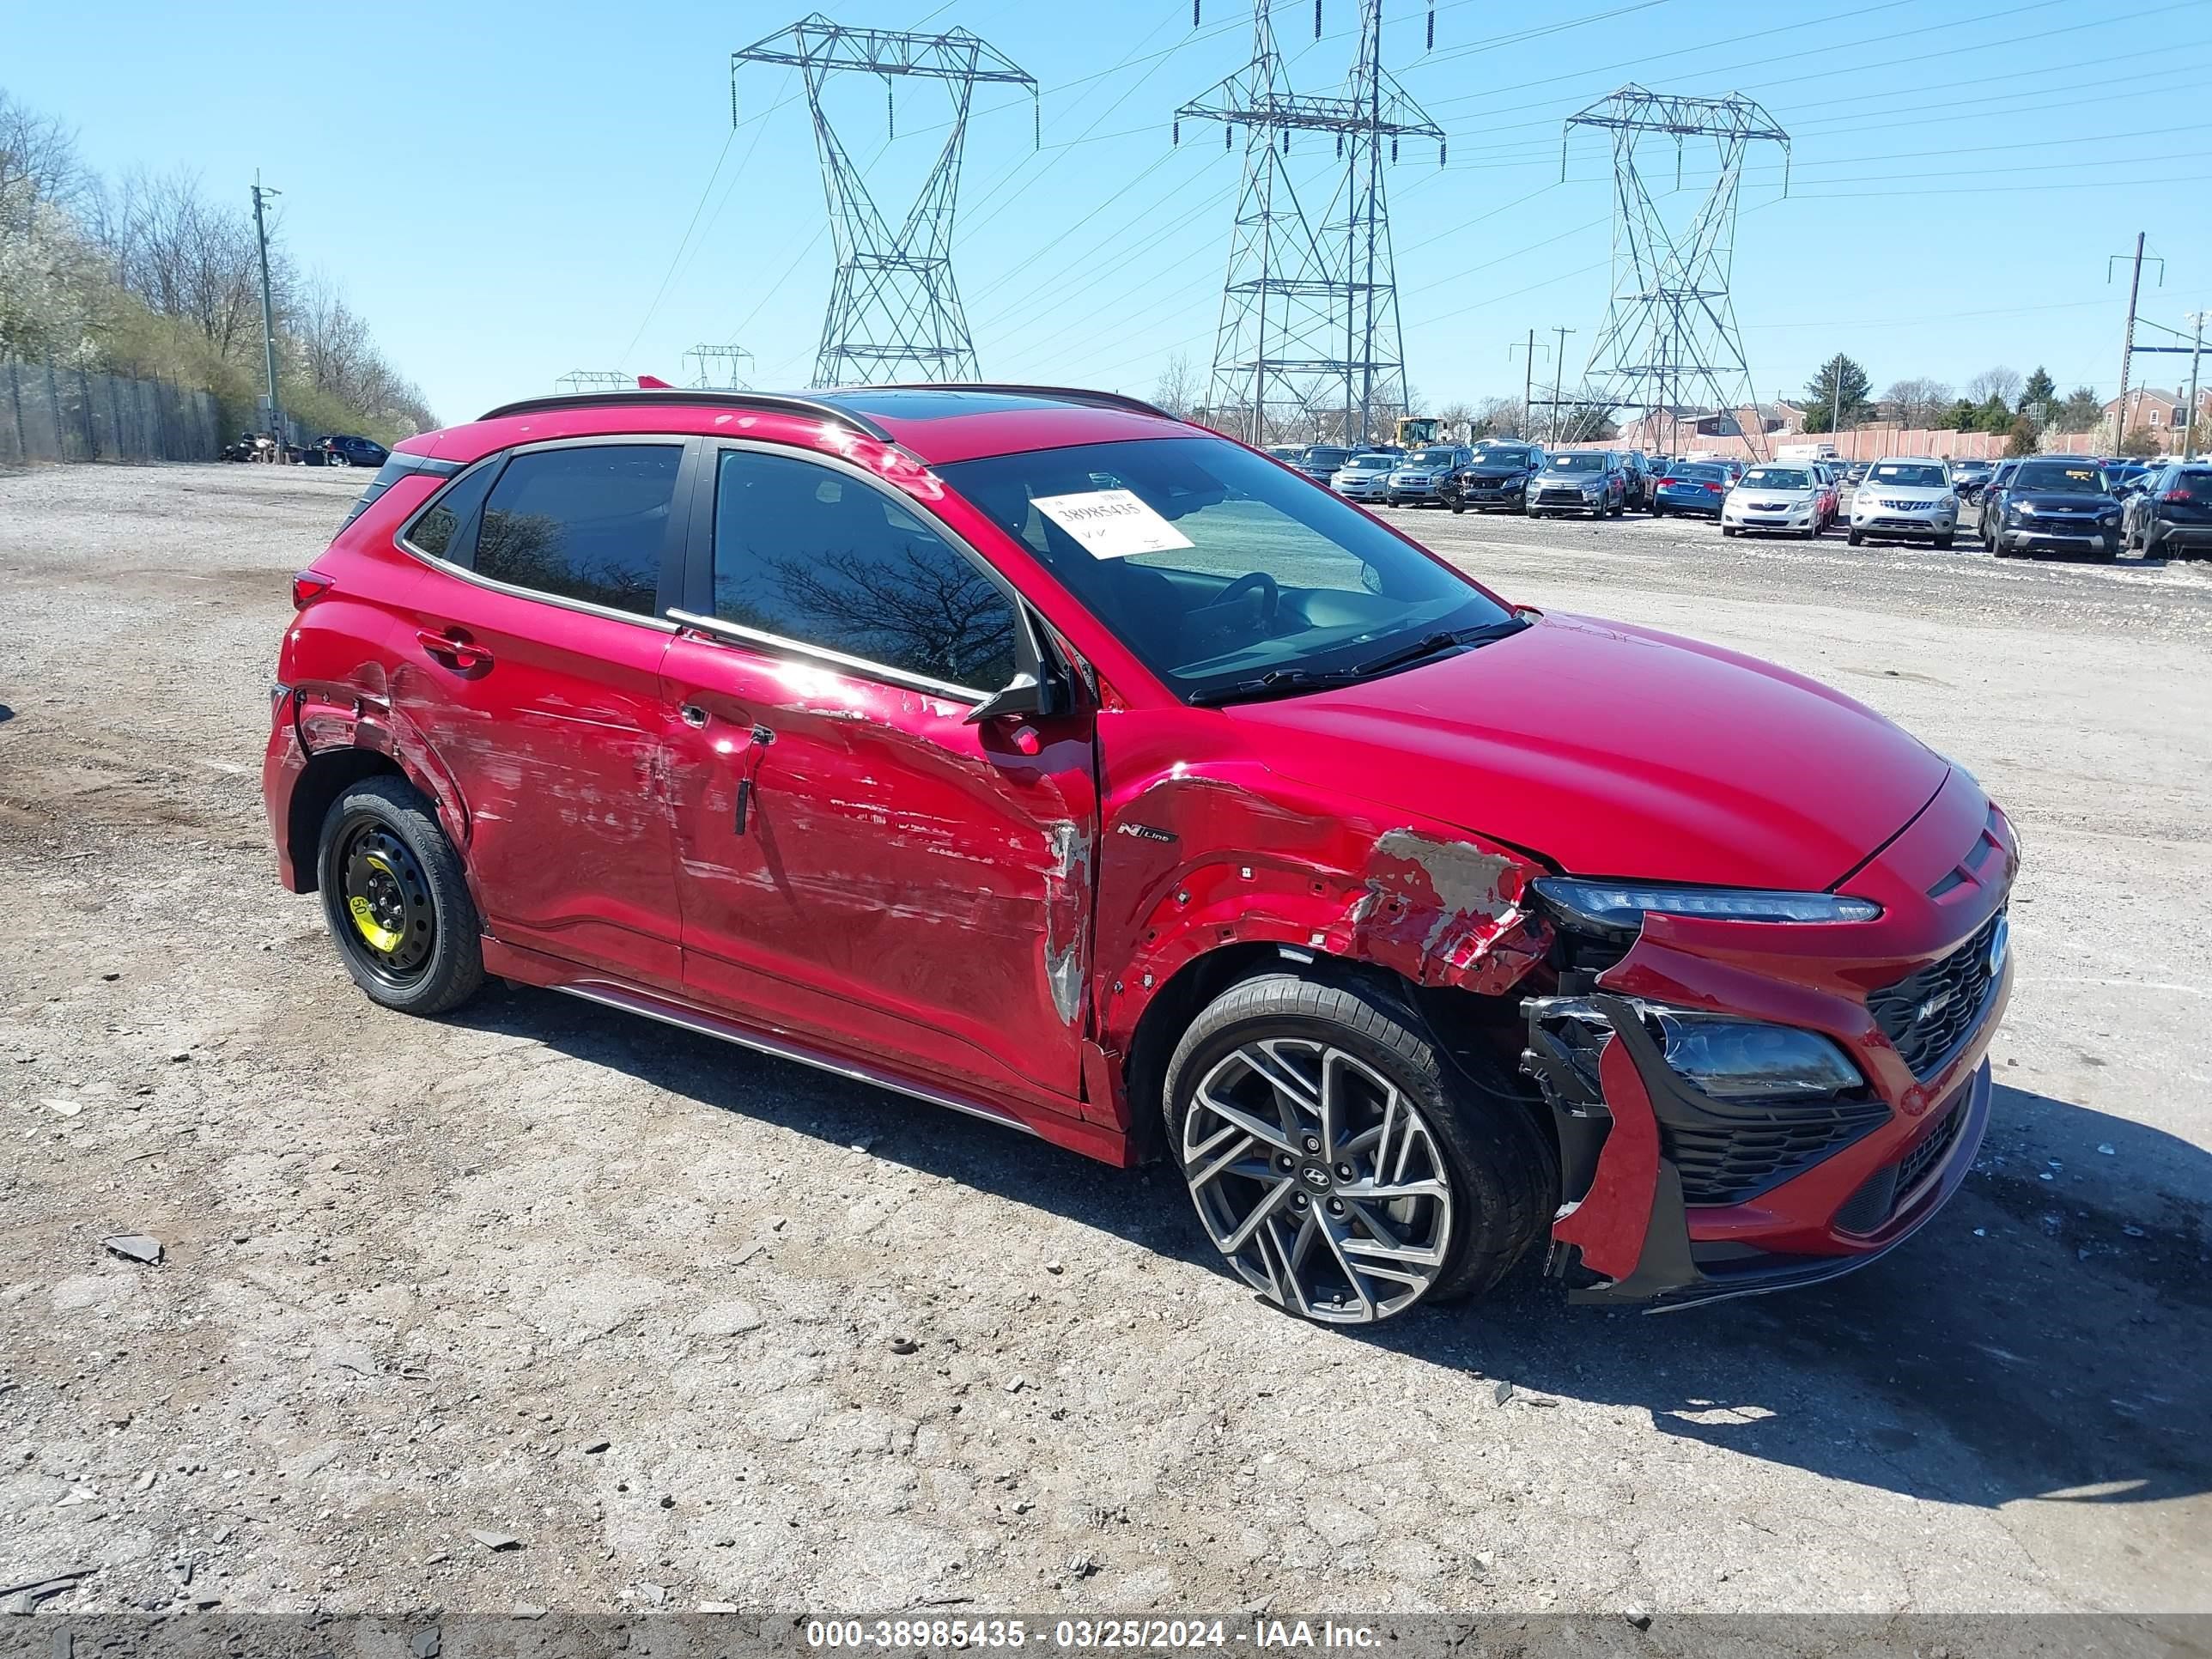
(1442, 912)
(1067, 911)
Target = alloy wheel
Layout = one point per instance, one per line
(1319, 1179)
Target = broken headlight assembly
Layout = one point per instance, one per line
(1617, 907)
(1747, 1060)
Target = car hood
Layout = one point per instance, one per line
(1763, 493)
(2074, 498)
(1494, 474)
(1570, 477)
(1615, 750)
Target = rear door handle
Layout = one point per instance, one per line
(452, 647)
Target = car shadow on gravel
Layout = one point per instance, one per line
(2023, 1344)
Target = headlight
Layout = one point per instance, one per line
(1738, 1060)
(2019, 509)
(1949, 504)
(1621, 907)
(2110, 515)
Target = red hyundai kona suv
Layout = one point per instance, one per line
(1033, 753)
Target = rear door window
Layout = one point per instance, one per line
(585, 522)
(810, 555)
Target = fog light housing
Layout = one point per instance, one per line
(1746, 1059)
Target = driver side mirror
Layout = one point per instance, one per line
(1027, 695)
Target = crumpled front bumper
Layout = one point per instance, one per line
(1629, 1230)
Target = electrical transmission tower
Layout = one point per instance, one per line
(594, 380)
(1309, 335)
(894, 311)
(1670, 332)
(716, 367)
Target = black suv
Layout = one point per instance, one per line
(1497, 477)
(2171, 516)
(2052, 503)
(346, 450)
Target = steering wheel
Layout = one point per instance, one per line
(1257, 582)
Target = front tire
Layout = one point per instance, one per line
(1345, 1169)
(1855, 539)
(1943, 543)
(396, 900)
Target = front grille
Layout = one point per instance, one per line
(1906, 507)
(1877, 1198)
(1729, 1163)
(1559, 497)
(1927, 1015)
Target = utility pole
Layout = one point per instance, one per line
(2128, 350)
(1528, 385)
(1835, 395)
(2195, 319)
(268, 308)
(1559, 384)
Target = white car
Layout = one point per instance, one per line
(1776, 500)
(1906, 497)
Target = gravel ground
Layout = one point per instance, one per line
(546, 1274)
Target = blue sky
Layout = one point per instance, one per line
(511, 191)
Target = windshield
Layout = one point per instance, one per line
(1910, 476)
(1215, 568)
(1431, 457)
(1777, 477)
(1693, 474)
(1587, 463)
(1369, 463)
(2060, 478)
(1318, 456)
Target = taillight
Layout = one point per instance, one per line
(1715, 488)
(308, 585)
(2176, 496)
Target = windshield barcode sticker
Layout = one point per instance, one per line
(1111, 524)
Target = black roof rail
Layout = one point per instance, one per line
(776, 403)
(1067, 393)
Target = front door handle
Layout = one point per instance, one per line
(452, 646)
(754, 747)
(693, 714)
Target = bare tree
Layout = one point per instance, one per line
(1179, 387)
(2002, 383)
(1920, 401)
(1459, 419)
(39, 164)
(1498, 417)
(184, 255)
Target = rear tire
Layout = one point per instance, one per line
(1345, 1167)
(397, 900)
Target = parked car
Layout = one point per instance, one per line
(342, 451)
(1321, 461)
(1418, 477)
(1967, 478)
(848, 794)
(2125, 479)
(1589, 481)
(2172, 516)
(2052, 504)
(1364, 477)
(1637, 477)
(1497, 476)
(1905, 498)
(1771, 499)
(1693, 489)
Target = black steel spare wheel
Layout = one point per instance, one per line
(397, 899)
(387, 900)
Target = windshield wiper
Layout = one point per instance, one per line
(1431, 644)
(1285, 681)
(1275, 682)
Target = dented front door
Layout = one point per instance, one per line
(858, 864)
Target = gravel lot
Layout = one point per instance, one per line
(628, 1297)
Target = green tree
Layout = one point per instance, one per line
(2040, 390)
(2081, 412)
(1994, 415)
(2022, 440)
(1838, 393)
(2141, 442)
